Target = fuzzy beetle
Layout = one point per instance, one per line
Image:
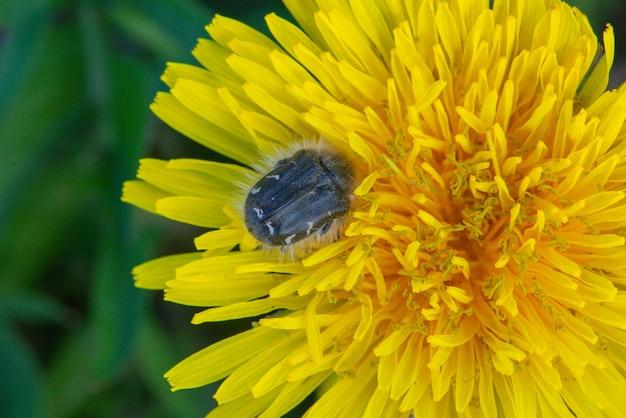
(305, 195)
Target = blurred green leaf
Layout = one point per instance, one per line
(25, 25)
(167, 29)
(145, 30)
(119, 96)
(29, 306)
(20, 385)
(40, 234)
(69, 379)
(40, 116)
(38, 194)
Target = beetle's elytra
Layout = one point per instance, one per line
(301, 197)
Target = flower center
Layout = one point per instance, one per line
(459, 226)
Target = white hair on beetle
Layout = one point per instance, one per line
(267, 162)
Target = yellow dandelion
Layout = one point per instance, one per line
(479, 265)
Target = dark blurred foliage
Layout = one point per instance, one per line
(76, 78)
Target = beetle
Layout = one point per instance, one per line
(304, 196)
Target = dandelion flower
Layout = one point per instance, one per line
(480, 267)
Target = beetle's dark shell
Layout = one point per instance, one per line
(300, 197)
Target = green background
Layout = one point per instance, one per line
(76, 78)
